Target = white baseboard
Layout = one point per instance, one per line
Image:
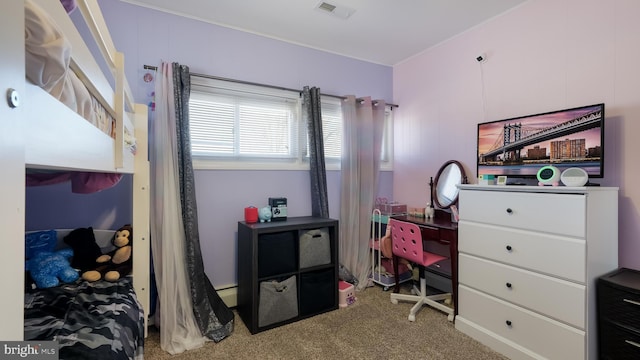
(229, 296)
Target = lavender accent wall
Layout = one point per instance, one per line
(56, 207)
(544, 55)
(147, 36)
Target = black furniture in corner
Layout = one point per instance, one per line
(287, 271)
(618, 305)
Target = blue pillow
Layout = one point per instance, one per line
(38, 241)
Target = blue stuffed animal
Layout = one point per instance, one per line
(48, 268)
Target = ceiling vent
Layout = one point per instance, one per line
(340, 11)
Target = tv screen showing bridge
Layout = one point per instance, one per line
(564, 137)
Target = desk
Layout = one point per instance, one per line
(442, 230)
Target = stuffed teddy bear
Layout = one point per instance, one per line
(117, 263)
(48, 268)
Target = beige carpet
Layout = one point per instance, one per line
(372, 328)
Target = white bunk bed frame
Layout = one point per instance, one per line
(57, 138)
(43, 150)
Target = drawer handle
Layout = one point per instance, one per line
(631, 302)
(632, 343)
(509, 248)
(509, 211)
(508, 322)
(508, 285)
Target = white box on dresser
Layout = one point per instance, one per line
(528, 260)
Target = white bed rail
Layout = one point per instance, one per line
(115, 61)
(93, 17)
(116, 99)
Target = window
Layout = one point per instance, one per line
(331, 109)
(386, 157)
(244, 126)
(234, 123)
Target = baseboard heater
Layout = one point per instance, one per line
(229, 296)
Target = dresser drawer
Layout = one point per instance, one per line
(562, 214)
(552, 297)
(618, 343)
(545, 337)
(618, 305)
(554, 255)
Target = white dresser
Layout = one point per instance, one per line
(528, 260)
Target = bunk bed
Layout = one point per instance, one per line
(73, 118)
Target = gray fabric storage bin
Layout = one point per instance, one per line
(315, 248)
(278, 301)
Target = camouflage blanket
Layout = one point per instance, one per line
(98, 320)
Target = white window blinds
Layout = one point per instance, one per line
(227, 123)
(244, 126)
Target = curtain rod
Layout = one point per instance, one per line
(154, 68)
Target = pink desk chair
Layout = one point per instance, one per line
(407, 244)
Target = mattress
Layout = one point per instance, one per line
(89, 320)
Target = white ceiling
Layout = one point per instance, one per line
(379, 31)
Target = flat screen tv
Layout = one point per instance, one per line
(519, 147)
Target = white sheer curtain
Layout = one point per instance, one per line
(361, 149)
(178, 328)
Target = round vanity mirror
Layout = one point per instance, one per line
(445, 191)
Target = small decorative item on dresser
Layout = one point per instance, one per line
(574, 177)
(393, 208)
(548, 175)
(429, 211)
(417, 212)
(486, 179)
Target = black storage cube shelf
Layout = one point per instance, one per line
(287, 270)
(278, 254)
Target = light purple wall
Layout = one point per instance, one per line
(148, 37)
(544, 55)
(56, 207)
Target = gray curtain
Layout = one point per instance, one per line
(318, 173)
(213, 317)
